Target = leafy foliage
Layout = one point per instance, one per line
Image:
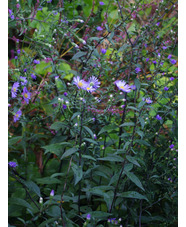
(85, 150)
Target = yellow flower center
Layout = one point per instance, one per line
(121, 87)
(26, 95)
(88, 88)
(80, 84)
(14, 89)
(17, 115)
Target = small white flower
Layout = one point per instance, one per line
(84, 42)
(76, 124)
(40, 200)
(111, 96)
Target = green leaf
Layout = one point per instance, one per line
(132, 160)
(78, 173)
(90, 141)
(99, 214)
(14, 140)
(113, 158)
(33, 187)
(137, 83)
(142, 103)
(75, 115)
(127, 124)
(108, 128)
(142, 122)
(132, 194)
(88, 157)
(143, 142)
(134, 179)
(43, 68)
(140, 133)
(47, 180)
(69, 152)
(44, 224)
(56, 148)
(57, 126)
(78, 55)
(20, 202)
(89, 131)
(122, 48)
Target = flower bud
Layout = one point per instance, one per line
(40, 200)
(52, 193)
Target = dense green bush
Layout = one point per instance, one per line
(92, 113)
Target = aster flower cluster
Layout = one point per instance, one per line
(12, 164)
(11, 14)
(114, 221)
(123, 86)
(89, 86)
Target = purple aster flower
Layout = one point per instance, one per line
(89, 88)
(161, 63)
(88, 216)
(93, 118)
(171, 146)
(18, 51)
(137, 70)
(101, 3)
(173, 61)
(24, 70)
(49, 1)
(172, 78)
(36, 61)
(93, 81)
(52, 193)
(26, 95)
(159, 55)
(155, 62)
(40, 8)
(122, 86)
(145, 45)
(122, 106)
(12, 164)
(147, 59)
(95, 137)
(133, 87)
(164, 47)
(14, 89)
(10, 11)
(103, 51)
(148, 100)
(33, 76)
(9, 105)
(170, 56)
(158, 117)
(12, 17)
(17, 115)
(65, 93)
(99, 28)
(158, 23)
(56, 77)
(166, 88)
(79, 83)
(64, 106)
(23, 80)
(16, 57)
